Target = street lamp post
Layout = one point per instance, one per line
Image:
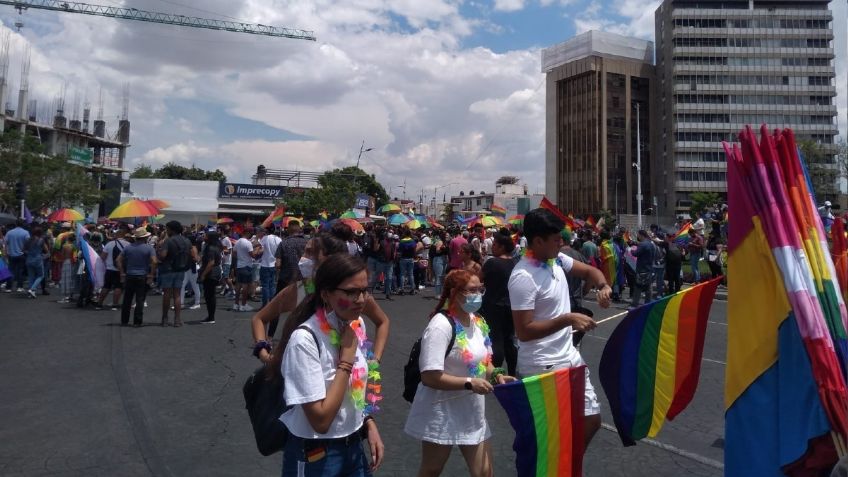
(436, 191)
(638, 165)
(361, 150)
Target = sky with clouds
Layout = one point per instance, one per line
(444, 91)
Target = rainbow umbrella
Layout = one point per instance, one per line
(389, 208)
(159, 203)
(416, 224)
(134, 208)
(487, 221)
(348, 215)
(65, 215)
(315, 223)
(398, 219)
(516, 220)
(353, 224)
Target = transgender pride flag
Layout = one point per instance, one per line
(94, 265)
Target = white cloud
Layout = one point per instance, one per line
(509, 5)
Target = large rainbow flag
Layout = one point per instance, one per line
(498, 210)
(785, 389)
(651, 364)
(839, 255)
(275, 217)
(546, 412)
(611, 264)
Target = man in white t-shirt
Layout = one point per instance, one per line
(267, 264)
(112, 279)
(226, 261)
(541, 309)
(244, 273)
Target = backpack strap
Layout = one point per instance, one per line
(317, 343)
(453, 335)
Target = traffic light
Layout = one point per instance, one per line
(20, 191)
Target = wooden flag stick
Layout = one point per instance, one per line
(612, 317)
(461, 395)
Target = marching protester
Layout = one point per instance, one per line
(136, 265)
(439, 261)
(15, 254)
(645, 256)
(444, 413)
(541, 308)
(243, 251)
(35, 249)
(267, 264)
(174, 259)
(496, 309)
(210, 273)
(673, 265)
(324, 358)
(471, 259)
(190, 276)
(67, 281)
(695, 249)
(112, 280)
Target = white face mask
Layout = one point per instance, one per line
(306, 266)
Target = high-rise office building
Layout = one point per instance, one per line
(595, 82)
(722, 64)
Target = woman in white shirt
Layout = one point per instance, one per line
(326, 374)
(449, 405)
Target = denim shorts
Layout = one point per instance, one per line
(171, 280)
(314, 458)
(244, 275)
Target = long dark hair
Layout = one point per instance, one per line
(334, 270)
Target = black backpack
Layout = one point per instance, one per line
(412, 371)
(264, 401)
(116, 250)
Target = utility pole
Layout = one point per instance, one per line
(361, 150)
(638, 171)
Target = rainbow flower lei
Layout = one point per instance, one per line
(365, 402)
(478, 369)
(528, 254)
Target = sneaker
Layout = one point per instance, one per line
(31, 294)
(7, 290)
(236, 307)
(20, 290)
(114, 308)
(196, 306)
(246, 308)
(64, 300)
(207, 321)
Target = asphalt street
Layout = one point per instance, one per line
(82, 396)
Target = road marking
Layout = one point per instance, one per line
(674, 450)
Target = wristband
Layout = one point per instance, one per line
(259, 346)
(493, 379)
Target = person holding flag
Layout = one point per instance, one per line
(541, 308)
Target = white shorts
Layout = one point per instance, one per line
(590, 399)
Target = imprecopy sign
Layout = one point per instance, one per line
(231, 190)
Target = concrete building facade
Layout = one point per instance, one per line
(594, 83)
(724, 64)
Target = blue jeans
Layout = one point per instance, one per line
(659, 274)
(694, 258)
(388, 273)
(339, 460)
(439, 263)
(35, 272)
(406, 273)
(373, 267)
(268, 281)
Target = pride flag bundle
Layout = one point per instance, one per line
(650, 366)
(546, 412)
(785, 390)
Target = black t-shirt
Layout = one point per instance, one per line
(496, 272)
(212, 253)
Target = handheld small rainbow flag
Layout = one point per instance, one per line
(651, 364)
(611, 264)
(681, 238)
(590, 221)
(498, 210)
(546, 412)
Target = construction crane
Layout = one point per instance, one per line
(156, 17)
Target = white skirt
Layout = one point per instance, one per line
(436, 418)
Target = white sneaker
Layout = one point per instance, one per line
(194, 307)
(20, 290)
(246, 308)
(236, 307)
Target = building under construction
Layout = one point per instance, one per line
(84, 142)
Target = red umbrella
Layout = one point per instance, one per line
(353, 224)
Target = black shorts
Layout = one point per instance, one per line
(112, 280)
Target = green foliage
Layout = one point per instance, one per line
(448, 217)
(702, 201)
(609, 220)
(176, 171)
(51, 181)
(822, 168)
(336, 192)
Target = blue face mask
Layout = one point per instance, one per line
(472, 303)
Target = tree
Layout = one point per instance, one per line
(336, 192)
(176, 171)
(448, 215)
(823, 168)
(702, 201)
(51, 180)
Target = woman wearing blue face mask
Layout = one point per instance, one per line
(449, 405)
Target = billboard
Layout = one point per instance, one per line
(230, 190)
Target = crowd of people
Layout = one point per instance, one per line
(502, 297)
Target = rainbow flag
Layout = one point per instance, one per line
(651, 364)
(681, 238)
(5, 273)
(590, 221)
(569, 221)
(498, 210)
(785, 387)
(626, 237)
(839, 255)
(611, 263)
(275, 217)
(546, 412)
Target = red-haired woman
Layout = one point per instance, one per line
(449, 406)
